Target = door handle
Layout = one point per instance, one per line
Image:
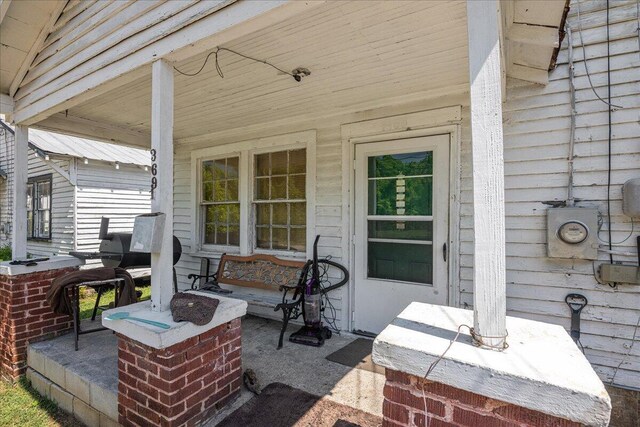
(444, 252)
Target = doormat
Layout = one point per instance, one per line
(284, 406)
(357, 354)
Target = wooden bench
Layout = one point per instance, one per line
(259, 271)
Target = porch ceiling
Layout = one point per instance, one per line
(359, 53)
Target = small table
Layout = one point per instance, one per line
(100, 286)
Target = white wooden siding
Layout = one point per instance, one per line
(119, 195)
(6, 152)
(536, 128)
(101, 191)
(61, 200)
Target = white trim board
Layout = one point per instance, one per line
(423, 123)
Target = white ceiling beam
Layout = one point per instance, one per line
(4, 7)
(534, 35)
(6, 104)
(35, 47)
(529, 74)
(85, 128)
(235, 20)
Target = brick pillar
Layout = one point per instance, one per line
(184, 383)
(26, 317)
(449, 406)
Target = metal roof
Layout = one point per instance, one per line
(65, 145)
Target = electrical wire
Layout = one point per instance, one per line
(601, 223)
(584, 54)
(633, 341)
(219, 69)
(609, 136)
(477, 339)
(638, 21)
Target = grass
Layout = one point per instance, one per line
(24, 406)
(88, 299)
(5, 253)
(21, 405)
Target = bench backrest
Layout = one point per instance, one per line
(259, 271)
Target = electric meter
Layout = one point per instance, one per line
(573, 232)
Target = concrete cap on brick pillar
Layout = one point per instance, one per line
(153, 336)
(542, 369)
(53, 263)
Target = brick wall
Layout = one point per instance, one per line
(404, 405)
(181, 384)
(26, 317)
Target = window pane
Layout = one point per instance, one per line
(234, 213)
(264, 237)
(262, 189)
(400, 261)
(279, 163)
(207, 171)
(207, 191)
(418, 196)
(408, 164)
(263, 214)
(232, 190)
(278, 187)
(298, 161)
(280, 214)
(219, 191)
(296, 186)
(405, 230)
(219, 169)
(232, 167)
(280, 240)
(382, 197)
(298, 213)
(262, 164)
(234, 235)
(298, 239)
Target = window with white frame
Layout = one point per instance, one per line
(253, 196)
(39, 208)
(279, 200)
(220, 204)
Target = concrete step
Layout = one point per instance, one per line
(83, 382)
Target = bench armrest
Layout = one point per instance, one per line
(196, 277)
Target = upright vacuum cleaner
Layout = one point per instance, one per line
(312, 333)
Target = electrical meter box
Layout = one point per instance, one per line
(147, 234)
(572, 233)
(631, 198)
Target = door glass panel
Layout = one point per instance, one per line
(401, 261)
(403, 230)
(400, 186)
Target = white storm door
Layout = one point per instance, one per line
(401, 227)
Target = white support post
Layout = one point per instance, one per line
(19, 206)
(489, 281)
(162, 143)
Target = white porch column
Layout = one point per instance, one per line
(489, 282)
(162, 143)
(19, 206)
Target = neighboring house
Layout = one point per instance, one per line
(73, 182)
(373, 150)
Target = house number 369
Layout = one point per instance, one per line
(154, 172)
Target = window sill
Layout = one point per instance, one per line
(39, 239)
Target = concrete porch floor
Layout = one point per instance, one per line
(88, 378)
